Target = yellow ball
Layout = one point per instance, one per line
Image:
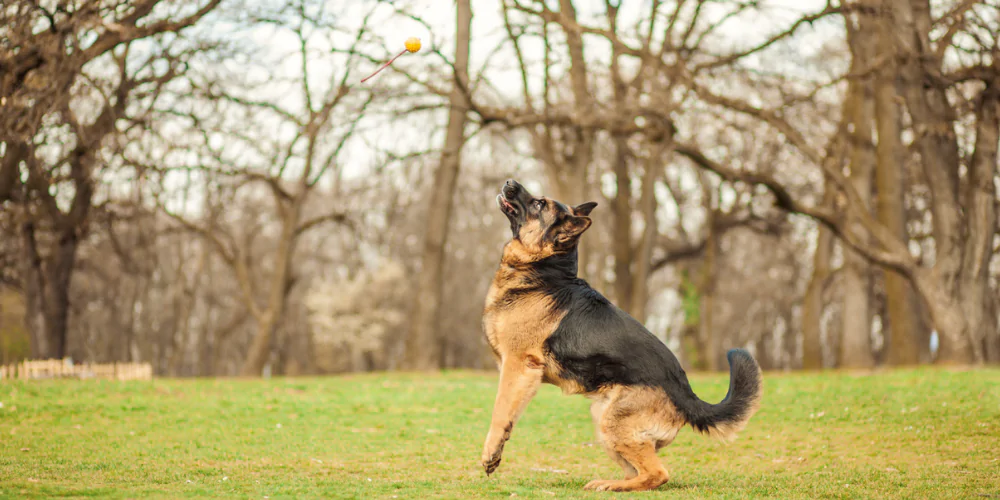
(412, 44)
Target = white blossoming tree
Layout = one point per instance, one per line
(356, 318)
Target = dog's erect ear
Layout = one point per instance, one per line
(571, 229)
(584, 209)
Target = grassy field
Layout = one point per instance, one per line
(926, 433)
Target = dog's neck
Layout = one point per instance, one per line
(560, 266)
(517, 278)
(563, 265)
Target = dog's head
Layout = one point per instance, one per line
(542, 226)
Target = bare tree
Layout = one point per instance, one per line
(813, 301)
(60, 86)
(423, 345)
(954, 284)
(289, 170)
(359, 316)
(908, 341)
(855, 345)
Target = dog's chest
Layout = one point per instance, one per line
(518, 323)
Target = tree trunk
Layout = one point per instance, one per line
(622, 231)
(644, 253)
(185, 296)
(621, 208)
(10, 166)
(33, 283)
(260, 348)
(279, 288)
(62, 263)
(422, 343)
(949, 320)
(855, 346)
(581, 152)
(976, 300)
(47, 282)
(935, 139)
(907, 339)
(706, 332)
(812, 303)
(992, 343)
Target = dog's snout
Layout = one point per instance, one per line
(511, 188)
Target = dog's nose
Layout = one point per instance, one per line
(510, 188)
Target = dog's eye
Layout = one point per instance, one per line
(539, 204)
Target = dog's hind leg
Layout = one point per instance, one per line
(597, 412)
(650, 472)
(641, 456)
(520, 378)
(630, 426)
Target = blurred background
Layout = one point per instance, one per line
(207, 186)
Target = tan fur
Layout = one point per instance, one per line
(632, 424)
(516, 336)
(521, 330)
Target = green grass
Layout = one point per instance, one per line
(925, 433)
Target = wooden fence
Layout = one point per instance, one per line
(55, 368)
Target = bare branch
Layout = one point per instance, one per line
(807, 19)
(337, 217)
(956, 20)
(836, 221)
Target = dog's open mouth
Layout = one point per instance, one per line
(506, 207)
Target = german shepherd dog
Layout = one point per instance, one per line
(545, 324)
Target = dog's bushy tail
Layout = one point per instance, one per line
(725, 419)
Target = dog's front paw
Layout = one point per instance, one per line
(494, 448)
(491, 455)
(491, 459)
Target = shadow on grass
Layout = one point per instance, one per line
(577, 484)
